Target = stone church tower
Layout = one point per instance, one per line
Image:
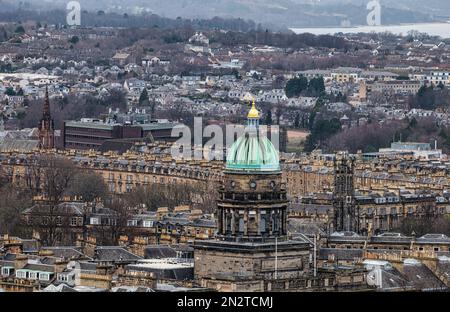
(252, 251)
(46, 126)
(346, 218)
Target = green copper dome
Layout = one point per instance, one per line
(253, 153)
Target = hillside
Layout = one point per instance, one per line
(282, 13)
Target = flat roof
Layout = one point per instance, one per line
(158, 126)
(91, 125)
(110, 126)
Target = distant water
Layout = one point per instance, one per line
(433, 29)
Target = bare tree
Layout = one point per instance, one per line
(425, 221)
(207, 195)
(88, 186)
(50, 176)
(202, 196)
(154, 196)
(122, 212)
(13, 201)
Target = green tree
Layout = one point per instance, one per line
(316, 86)
(422, 91)
(269, 120)
(74, 40)
(20, 30)
(10, 91)
(413, 123)
(295, 86)
(297, 121)
(143, 99)
(312, 116)
(321, 131)
(236, 74)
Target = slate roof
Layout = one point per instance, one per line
(5, 263)
(30, 246)
(421, 277)
(59, 288)
(307, 228)
(204, 223)
(18, 145)
(391, 279)
(65, 252)
(311, 208)
(340, 253)
(159, 252)
(443, 267)
(70, 208)
(162, 272)
(174, 220)
(433, 238)
(114, 254)
(391, 238)
(132, 289)
(346, 237)
(9, 257)
(39, 267)
(87, 266)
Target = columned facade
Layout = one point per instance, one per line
(252, 207)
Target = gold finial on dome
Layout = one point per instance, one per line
(253, 113)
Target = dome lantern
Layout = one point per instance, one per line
(253, 113)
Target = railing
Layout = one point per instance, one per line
(279, 196)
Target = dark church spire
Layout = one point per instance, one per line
(46, 126)
(47, 114)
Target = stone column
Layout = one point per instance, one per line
(258, 221)
(246, 222)
(223, 221)
(233, 222)
(269, 220)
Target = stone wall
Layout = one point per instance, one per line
(290, 263)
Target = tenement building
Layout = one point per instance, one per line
(376, 213)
